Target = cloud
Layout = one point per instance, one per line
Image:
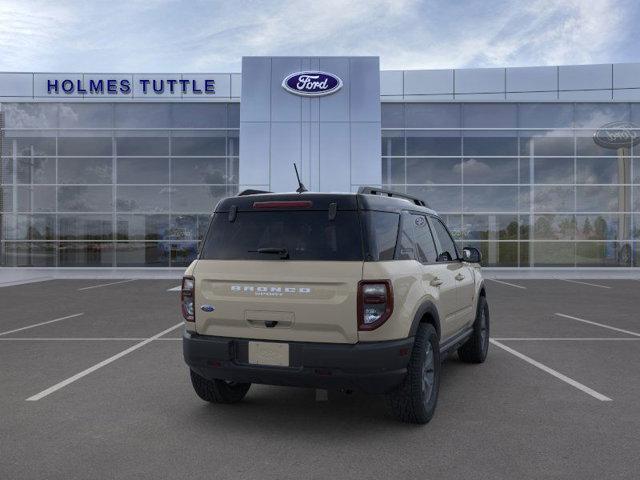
(167, 36)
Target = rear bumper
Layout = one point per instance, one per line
(375, 367)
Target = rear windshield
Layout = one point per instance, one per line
(303, 234)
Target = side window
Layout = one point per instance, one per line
(425, 248)
(445, 244)
(406, 241)
(383, 233)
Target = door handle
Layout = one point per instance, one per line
(459, 277)
(436, 282)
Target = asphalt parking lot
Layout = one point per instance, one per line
(93, 385)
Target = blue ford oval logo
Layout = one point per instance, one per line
(207, 308)
(312, 83)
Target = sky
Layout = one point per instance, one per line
(212, 36)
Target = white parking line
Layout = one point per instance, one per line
(175, 289)
(97, 366)
(629, 332)
(106, 284)
(559, 339)
(41, 323)
(553, 372)
(97, 339)
(507, 283)
(584, 283)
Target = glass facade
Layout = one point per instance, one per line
(112, 184)
(524, 182)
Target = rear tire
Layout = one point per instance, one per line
(475, 349)
(415, 399)
(218, 391)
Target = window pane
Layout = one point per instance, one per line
(142, 227)
(553, 170)
(600, 199)
(392, 143)
(434, 170)
(603, 254)
(490, 145)
(140, 115)
(183, 227)
(142, 146)
(393, 170)
(85, 227)
(598, 114)
(85, 199)
(6, 199)
(37, 199)
(585, 145)
(604, 227)
(425, 246)
(78, 254)
(490, 199)
(196, 199)
(553, 254)
(487, 115)
(92, 146)
(546, 144)
(41, 254)
(233, 143)
(444, 243)
(433, 143)
(199, 115)
(213, 144)
(35, 170)
(143, 199)
(602, 170)
(200, 170)
(490, 170)
(6, 170)
(392, 115)
(554, 227)
(142, 254)
(29, 146)
(490, 227)
(143, 170)
(30, 115)
(35, 227)
(441, 199)
(636, 170)
(545, 115)
(233, 112)
(85, 170)
(86, 115)
(183, 253)
(497, 254)
(432, 115)
(382, 230)
(554, 199)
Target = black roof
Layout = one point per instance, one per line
(321, 201)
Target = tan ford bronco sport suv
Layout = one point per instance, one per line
(363, 291)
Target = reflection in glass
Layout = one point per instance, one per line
(35, 170)
(602, 226)
(200, 170)
(196, 199)
(392, 143)
(490, 170)
(497, 254)
(393, 170)
(490, 115)
(490, 227)
(433, 143)
(489, 145)
(85, 170)
(132, 170)
(553, 254)
(143, 199)
(36, 198)
(30, 115)
(490, 199)
(554, 227)
(34, 227)
(392, 115)
(142, 254)
(90, 146)
(21, 254)
(199, 115)
(546, 144)
(603, 170)
(553, 199)
(142, 146)
(601, 198)
(142, 227)
(85, 227)
(603, 254)
(142, 115)
(545, 115)
(434, 115)
(30, 146)
(434, 170)
(85, 199)
(85, 115)
(441, 199)
(553, 170)
(183, 253)
(79, 254)
(211, 144)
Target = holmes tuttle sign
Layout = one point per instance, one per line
(312, 83)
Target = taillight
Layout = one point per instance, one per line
(187, 299)
(375, 303)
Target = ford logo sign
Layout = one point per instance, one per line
(617, 135)
(312, 83)
(207, 308)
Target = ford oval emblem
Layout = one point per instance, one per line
(617, 135)
(312, 83)
(207, 308)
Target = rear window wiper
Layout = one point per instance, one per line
(283, 252)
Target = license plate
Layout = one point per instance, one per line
(269, 353)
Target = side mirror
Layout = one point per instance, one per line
(471, 255)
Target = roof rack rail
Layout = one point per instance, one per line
(251, 191)
(391, 193)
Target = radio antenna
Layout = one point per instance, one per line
(301, 188)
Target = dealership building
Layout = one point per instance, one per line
(536, 166)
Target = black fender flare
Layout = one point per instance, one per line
(427, 307)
